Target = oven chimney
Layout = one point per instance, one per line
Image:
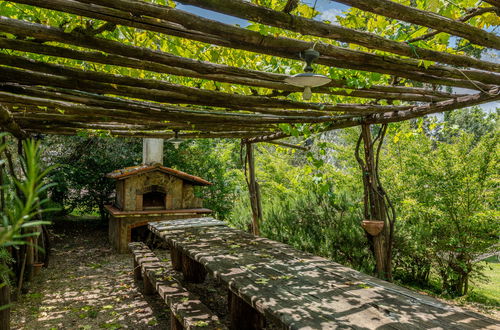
(152, 151)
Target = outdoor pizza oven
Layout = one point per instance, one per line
(151, 192)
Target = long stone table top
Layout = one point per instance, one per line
(303, 291)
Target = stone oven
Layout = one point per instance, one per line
(150, 192)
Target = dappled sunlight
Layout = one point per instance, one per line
(303, 291)
(88, 288)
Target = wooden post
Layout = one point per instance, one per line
(30, 259)
(174, 323)
(137, 271)
(253, 190)
(148, 287)
(176, 257)
(242, 315)
(4, 301)
(375, 205)
(192, 270)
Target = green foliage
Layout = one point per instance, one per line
(214, 160)
(19, 214)
(84, 161)
(447, 203)
(22, 204)
(323, 224)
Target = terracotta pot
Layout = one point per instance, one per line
(37, 266)
(373, 227)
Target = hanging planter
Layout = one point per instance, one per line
(373, 227)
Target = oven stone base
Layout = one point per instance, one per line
(120, 227)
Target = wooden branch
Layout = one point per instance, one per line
(426, 18)
(154, 111)
(253, 41)
(390, 117)
(33, 113)
(290, 48)
(8, 123)
(206, 70)
(176, 93)
(289, 145)
(493, 2)
(170, 113)
(59, 130)
(458, 103)
(305, 26)
(470, 14)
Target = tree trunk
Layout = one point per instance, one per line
(253, 189)
(375, 206)
(4, 300)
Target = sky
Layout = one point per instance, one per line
(329, 10)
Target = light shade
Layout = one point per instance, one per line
(176, 141)
(308, 79)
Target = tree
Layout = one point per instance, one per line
(446, 197)
(84, 161)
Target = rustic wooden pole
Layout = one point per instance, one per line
(305, 26)
(375, 208)
(252, 188)
(4, 301)
(432, 20)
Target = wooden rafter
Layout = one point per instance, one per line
(38, 96)
(199, 69)
(239, 38)
(155, 90)
(305, 26)
(390, 117)
(426, 18)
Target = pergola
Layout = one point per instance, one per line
(39, 96)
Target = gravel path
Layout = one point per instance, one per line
(87, 286)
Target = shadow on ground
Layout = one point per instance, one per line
(87, 286)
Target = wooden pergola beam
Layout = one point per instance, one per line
(166, 113)
(239, 38)
(60, 130)
(165, 92)
(429, 19)
(248, 10)
(217, 72)
(33, 114)
(397, 116)
(493, 2)
(288, 145)
(8, 123)
(471, 13)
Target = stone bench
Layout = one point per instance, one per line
(187, 311)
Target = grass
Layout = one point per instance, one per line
(487, 293)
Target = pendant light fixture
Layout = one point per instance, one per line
(308, 79)
(176, 141)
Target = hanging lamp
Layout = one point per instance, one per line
(308, 79)
(176, 141)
